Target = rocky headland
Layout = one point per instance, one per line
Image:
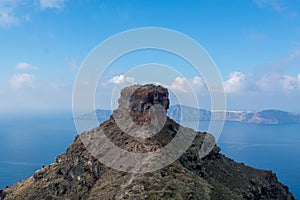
(77, 174)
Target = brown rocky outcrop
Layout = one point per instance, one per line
(139, 101)
(76, 174)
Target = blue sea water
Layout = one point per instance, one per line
(28, 143)
(272, 147)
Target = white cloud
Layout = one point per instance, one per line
(180, 84)
(19, 81)
(25, 66)
(121, 79)
(197, 81)
(266, 83)
(236, 82)
(239, 82)
(198, 84)
(289, 83)
(52, 4)
(10, 14)
(183, 85)
(277, 83)
(7, 15)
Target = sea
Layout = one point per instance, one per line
(30, 141)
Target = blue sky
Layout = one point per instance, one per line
(254, 43)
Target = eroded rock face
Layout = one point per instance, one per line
(76, 174)
(142, 102)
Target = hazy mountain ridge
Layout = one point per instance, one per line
(193, 114)
(257, 117)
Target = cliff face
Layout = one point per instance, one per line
(76, 174)
(138, 101)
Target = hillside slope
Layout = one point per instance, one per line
(77, 174)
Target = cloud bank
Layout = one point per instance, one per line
(121, 79)
(25, 66)
(19, 81)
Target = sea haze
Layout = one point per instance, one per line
(29, 142)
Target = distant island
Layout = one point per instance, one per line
(193, 114)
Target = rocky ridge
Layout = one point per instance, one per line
(77, 174)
